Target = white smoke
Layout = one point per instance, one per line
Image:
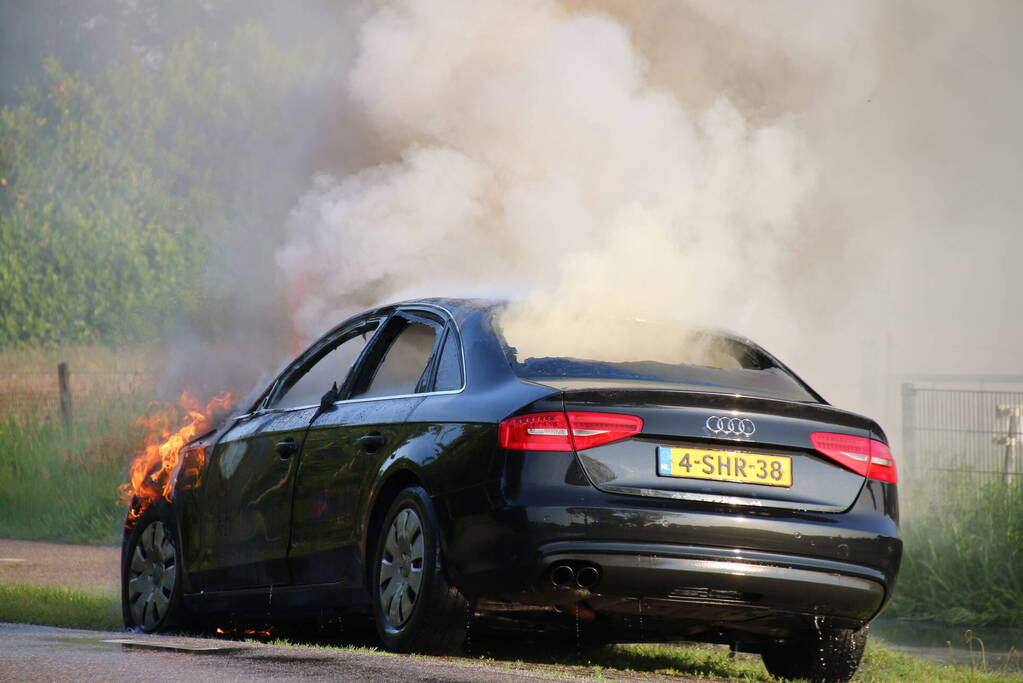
(820, 176)
(536, 157)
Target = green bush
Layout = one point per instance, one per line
(117, 186)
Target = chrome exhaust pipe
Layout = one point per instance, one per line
(587, 577)
(562, 576)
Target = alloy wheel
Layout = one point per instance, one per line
(152, 575)
(401, 568)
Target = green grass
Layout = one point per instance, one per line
(681, 660)
(963, 559)
(75, 608)
(884, 665)
(881, 664)
(67, 607)
(53, 488)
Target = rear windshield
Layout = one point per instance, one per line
(641, 353)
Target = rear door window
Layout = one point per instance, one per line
(449, 365)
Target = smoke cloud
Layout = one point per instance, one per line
(537, 159)
(833, 180)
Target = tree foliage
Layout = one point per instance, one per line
(118, 186)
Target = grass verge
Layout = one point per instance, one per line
(61, 489)
(881, 664)
(59, 606)
(695, 660)
(98, 610)
(963, 561)
(884, 665)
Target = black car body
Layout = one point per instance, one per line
(283, 507)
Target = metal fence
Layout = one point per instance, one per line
(962, 431)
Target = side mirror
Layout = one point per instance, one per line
(326, 402)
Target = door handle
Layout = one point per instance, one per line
(372, 442)
(286, 448)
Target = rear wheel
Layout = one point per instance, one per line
(415, 608)
(830, 654)
(150, 578)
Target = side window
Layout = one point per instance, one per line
(449, 365)
(333, 367)
(404, 362)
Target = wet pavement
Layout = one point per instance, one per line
(43, 653)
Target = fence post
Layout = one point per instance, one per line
(909, 425)
(1011, 440)
(64, 382)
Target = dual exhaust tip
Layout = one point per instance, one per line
(566, 576)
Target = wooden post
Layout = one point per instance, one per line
(64, 382)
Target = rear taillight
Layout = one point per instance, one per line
(595, 429)
(559, 431)
(536, 432)
(868, 457)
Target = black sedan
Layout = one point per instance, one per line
(413, 464)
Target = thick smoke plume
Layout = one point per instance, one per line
(830, 179)
(535, 158)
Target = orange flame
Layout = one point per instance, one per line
(235, 632)
(168, 428)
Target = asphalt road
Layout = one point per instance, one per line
(43, 653)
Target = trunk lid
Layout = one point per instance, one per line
(765, 440)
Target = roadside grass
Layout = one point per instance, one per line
(884, 665)
(58, 484)
(963, 561)
(881, 664)
(100, 610)
(689, 659)
(59, 606)
(61, 489)
(84, 361)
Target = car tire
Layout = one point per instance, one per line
(151, 594)
(830, 654)
(414, 606)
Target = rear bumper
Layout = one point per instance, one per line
(697, 566)
(692, 575)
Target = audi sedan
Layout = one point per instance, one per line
(419, 464)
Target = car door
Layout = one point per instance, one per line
(345, 446)
(248, 501)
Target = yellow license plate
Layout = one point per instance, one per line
(748, 468)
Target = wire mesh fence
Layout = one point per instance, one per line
(950, 432)
(37, 394)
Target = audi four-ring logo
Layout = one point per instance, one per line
(740, 426)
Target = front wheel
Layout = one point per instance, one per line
(827, 655)
(415, 608)
(150, 576)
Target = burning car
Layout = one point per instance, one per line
(414, 464)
